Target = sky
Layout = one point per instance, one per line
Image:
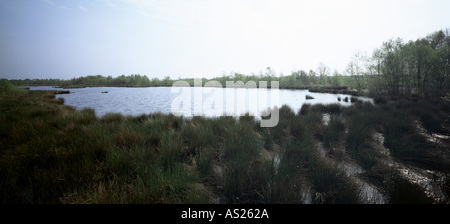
(184, 38)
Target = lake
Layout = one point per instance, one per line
(232, 101)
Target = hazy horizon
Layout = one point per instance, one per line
(65, 39)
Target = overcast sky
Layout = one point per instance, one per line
(182, 38)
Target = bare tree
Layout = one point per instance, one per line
(323, 71)
(356, 68)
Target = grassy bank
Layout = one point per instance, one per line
(52, 153)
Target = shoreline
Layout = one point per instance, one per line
(332, 90)
(53, 153)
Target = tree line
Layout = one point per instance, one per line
(420, 67)
(134, 80)
(297, 79)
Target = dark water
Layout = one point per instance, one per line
(136, 101)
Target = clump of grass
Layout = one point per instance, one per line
(359, 136)
(300, 158)
(205, 161)
(289, 180)
(432, 122)
(241, 144)
(405, 142)
(286, 113)
(170, 153)
(333, 108)
(241, 151)
(354, 100)
(128, 138)
(298, 127)
(401, 191)
(198, 135)
(332, 186)
(380, 100)
(60, 101)
(113, 118)
(139, 118)
(308, 97)
(247, 119)
(85, 116)
(275, 135)
(305, 108)
(333, 132)
(312, 122)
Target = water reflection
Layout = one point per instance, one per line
(136, 101)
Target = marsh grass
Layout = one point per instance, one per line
(329, 184)
(402, 191)
(7, 88)
(52, 153)
(242, 164)
(333, 134)
(332, 186)
(433, 122)
(358, 138)
(404, 138)
(275, 135)
(198, 134)
(361, 121)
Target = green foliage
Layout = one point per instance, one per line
(297, 80)
(7, 88)
(415, 67)
(135, 80)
